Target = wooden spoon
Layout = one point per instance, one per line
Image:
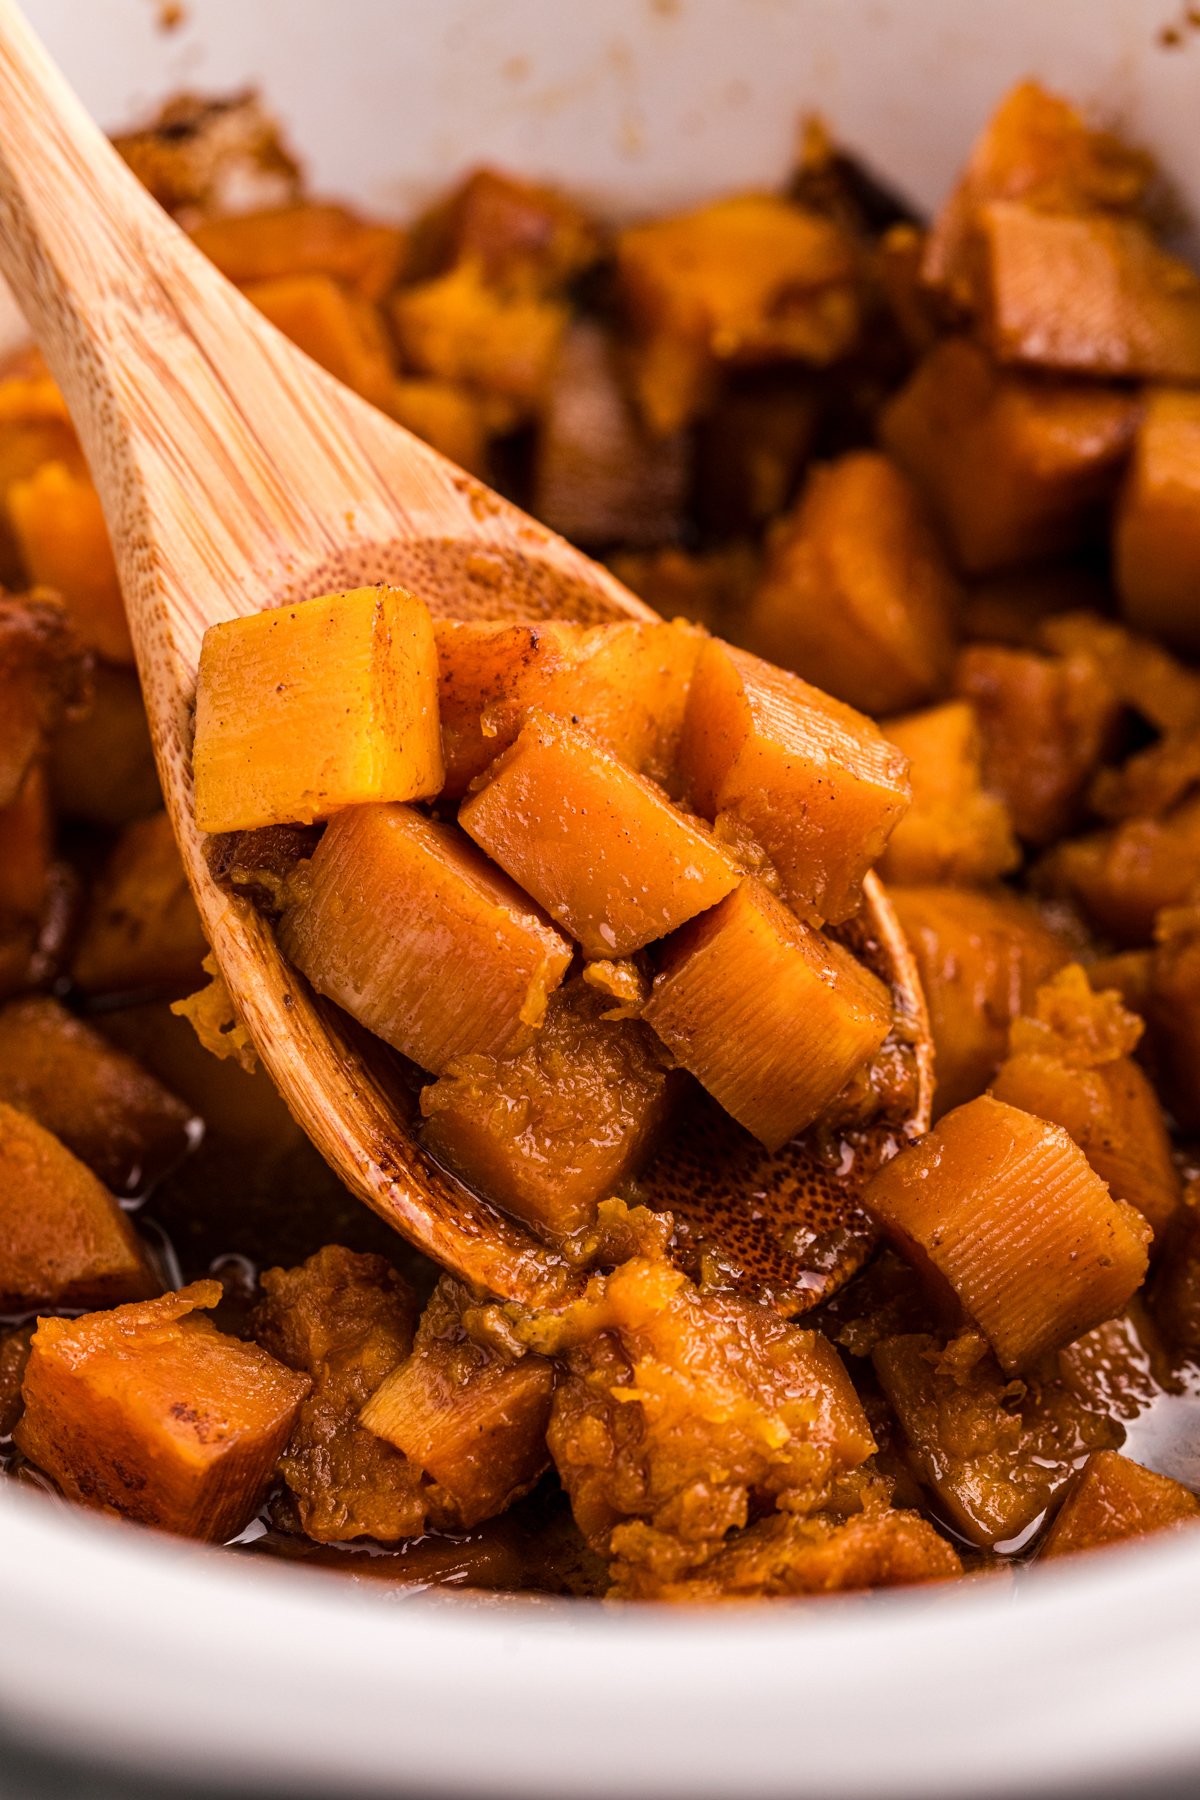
(237, 475)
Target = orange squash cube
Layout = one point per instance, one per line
(339, 330)
(302, 710)
(101, 1104)
(814, 784)
(142, 931)
(626, 683)
(981, 958)
(1072, 1063)
(749, 279)
(403, 923)
(64, 1241)
(768, 1015)
(1125, 877)
(1113, 1499)
(150, 1412)
(1158, 522)
(456, 327)
(35, 429)
(1088, 293)
(474, 1422)
(519, 233)
(956, 831)
(44, 680)
(447, 416)
(63, 540)
(1012, 468)
(598, 846)
(305, 238)
(855, 594)
(550, 1132)
(1002, 1213)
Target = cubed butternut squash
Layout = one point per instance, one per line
(855, 593)
(63, 541)
(44, 680)
(1035, 147)
(981, 958)
(406, 925)
(27, 881)
(1112, 1500)
(102, 763)
(101, 1104)
(448, 416)
(993, 1452)
(64, 1241)
(816, 785)
(600, 847)
(599, 478)
(1071, 1063)
(1173, 1006)
(150, 1412)
(474, 1421)
(1125, 877)
(456, 327)
(345, 1321)
(957, 830)
(627, 684)
(35, 429)
(549, 1132)
(1158, 522)
(141, 931)
(750, 279)
(519, 233)
(1002, 1213)
(302, 710)
(305, 238)
(1147, 677)
(1046, 722)
(339, 330)
(768, 1015)
(1085, 293)
(1012, 469)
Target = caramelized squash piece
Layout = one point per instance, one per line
(1002, 1213)
(305, 709)
(600, 847)
(142, 930)
(1071, 1063)
(150, 1412)
(63, 541)
(518, 233)
(1124, 878)
(26, 881)
(344, 1320)
(855, 593)
(1037, 148)
(101, 1104)
(981, 959)
(35, 429)
(1145, 676)
(1013, 469)
(626, 683)
(448, 416)
(1111, 1500)
(339, 330)
(64, 1241)
(1047, 722)
(44, 680)
(1173, 1007)
(1157, 533)
(772, 760)
(405, 924)
(457, 328)
(549, 1132)
(749, 279)
(956, 831)
(1086, 293)
(102, 762)
(651, 1368)
(307, 238)
(598, 476)
(768, 1015)
(473, 1419)
(992, 1451)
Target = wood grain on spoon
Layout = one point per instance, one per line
(236, 475)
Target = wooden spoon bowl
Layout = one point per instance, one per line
(236, 475)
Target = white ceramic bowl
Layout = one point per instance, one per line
(119, 1645)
